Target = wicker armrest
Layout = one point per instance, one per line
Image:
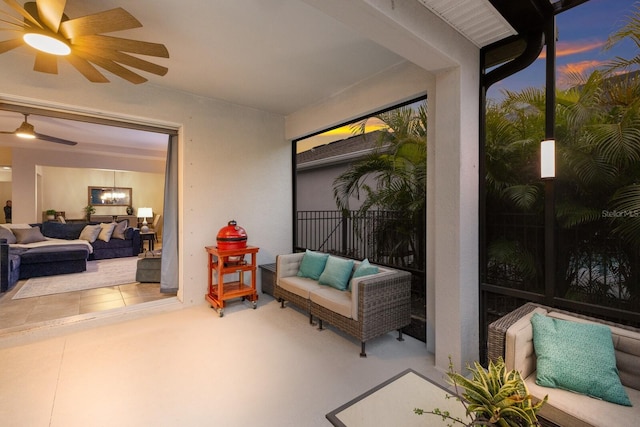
(384, 303)
(498, 330)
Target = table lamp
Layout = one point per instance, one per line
(144, 213)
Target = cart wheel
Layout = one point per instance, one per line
(255, 304)
(221, 312)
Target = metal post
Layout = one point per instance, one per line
(549, 187)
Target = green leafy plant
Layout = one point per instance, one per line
(88, 210)
(492, 397)
(51, 212)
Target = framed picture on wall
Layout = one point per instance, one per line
(110, 196)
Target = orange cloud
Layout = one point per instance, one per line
(566, 74)
(572, 48)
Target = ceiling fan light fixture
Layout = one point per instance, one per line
(26, 131)
(47, 43)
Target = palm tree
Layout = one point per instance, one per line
(398, 168)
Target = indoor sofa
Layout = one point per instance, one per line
(512, 337)
(51, 248)
(363, 306)
(124, 245)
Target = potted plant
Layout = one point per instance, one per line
(88, 210)
(492, 397)
(51, 214)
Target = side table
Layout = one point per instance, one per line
(149, 237)
(268, 278)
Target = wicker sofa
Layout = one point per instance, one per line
(373, 305)
(511, 337)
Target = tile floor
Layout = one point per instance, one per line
(50, 307)
(22, 312)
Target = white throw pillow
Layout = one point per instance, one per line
(106, 230)
(90, 233)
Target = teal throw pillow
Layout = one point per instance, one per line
(578, 357)
(312, 264)
(364, 269)
(337, 273)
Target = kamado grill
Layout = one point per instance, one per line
(232, 237)
(228, 258)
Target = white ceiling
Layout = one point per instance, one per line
(245, 51)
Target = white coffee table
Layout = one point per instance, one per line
(392, 403)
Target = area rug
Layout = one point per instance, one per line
(100, 273)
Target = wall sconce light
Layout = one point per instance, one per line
(144, 213)
(548, 159)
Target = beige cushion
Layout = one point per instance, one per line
(106, 230)
(333, 299)
(120, 229)
(566, 408)
(28, 235)
(518, 351)
(301, 286)
(90, 233)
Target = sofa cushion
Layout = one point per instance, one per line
(120, 229)
(57, 230)
(312, 264)
(566, 408)
(106, 230)
(300, 286)
(28, 235)
(90, 233)
(333, 299)
(336, 273)
(578, 357)
(5, 233)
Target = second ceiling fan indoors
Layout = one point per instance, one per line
(27, 131)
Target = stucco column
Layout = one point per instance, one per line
(453, 289)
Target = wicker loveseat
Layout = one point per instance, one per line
(512, 337)
(373, 305)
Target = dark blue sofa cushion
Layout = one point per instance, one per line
(57, 230)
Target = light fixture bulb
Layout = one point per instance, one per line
(25, 131)
(47, 44)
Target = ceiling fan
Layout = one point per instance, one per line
(27, 131)
(45, 27)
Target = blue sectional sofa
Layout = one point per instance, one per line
(60, 250)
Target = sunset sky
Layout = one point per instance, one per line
(582, 34)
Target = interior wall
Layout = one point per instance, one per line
(234, 162)
(66, 189)
(27, 163)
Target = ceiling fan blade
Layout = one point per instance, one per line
(112, 67)
(86, 69)
(50, 12)
(46, 63)
(22, 11)
(123, 45)
(7, 45)
(54, 139)
(127, 59)
(6, 132)
(102, 22)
